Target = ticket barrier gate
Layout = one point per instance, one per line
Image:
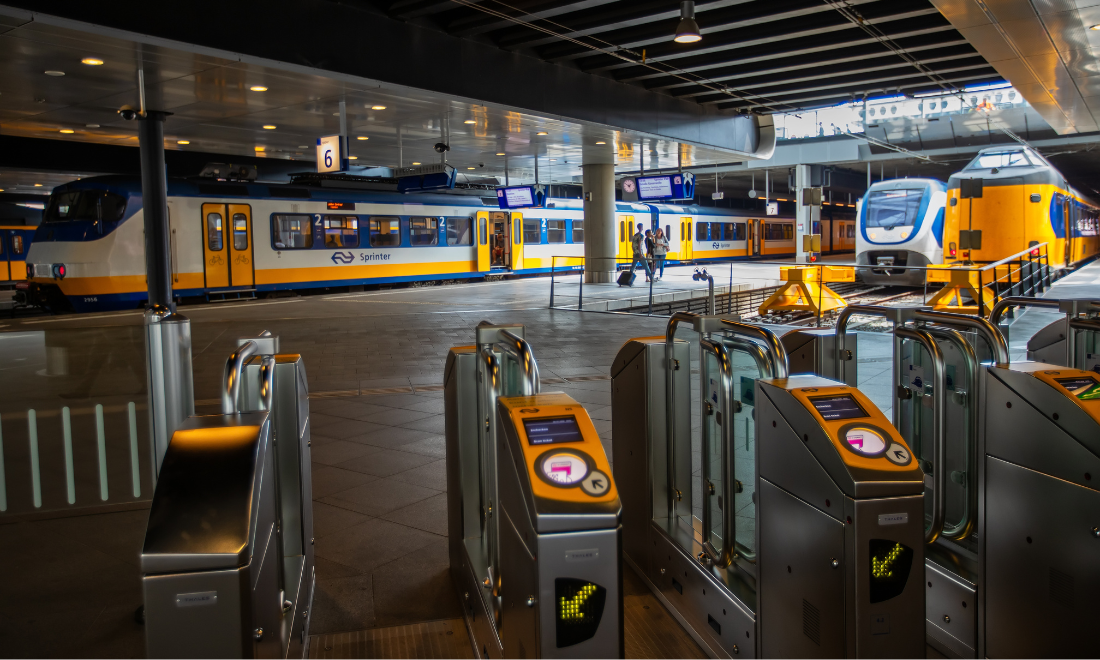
(1073, 341)
(228, 563)
(1008, 451)
(788, 523)
(533, 513)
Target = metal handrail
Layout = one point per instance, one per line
(725, 556)
(989, 332)
(231, 383)
(267, 382)
(965, 525)
(1018, 301)
(939, 425)
(670, 405)
(847, 313)
(1008, 259)
(518, 348)
(777, 353)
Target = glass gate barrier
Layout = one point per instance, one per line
(1072, 341)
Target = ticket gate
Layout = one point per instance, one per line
(1011, 511)
(773, 515)
(533, 513)
(227, 563)
(1073, 341)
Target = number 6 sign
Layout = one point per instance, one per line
(328, 153)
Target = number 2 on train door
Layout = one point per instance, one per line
(227, 245)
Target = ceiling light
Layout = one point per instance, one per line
(91, 61)
(541, 133)
(415, 163)
(1095, 27)
(67, 130)
(259, 148)
(378, 107)
(269, 127)
(601, 142)
(469, 121)
(1, 190)
(258, 88)
(501, 153)
(38, 185)
(55, 73)
(469, 168)
(687, 32)
(91, 125)
(302, 146)
(552, 160)
(183, 141)
(353, 157)
(362, 137)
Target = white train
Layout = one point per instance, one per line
(900, 224)
(244, 239)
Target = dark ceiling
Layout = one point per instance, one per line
(761, 55)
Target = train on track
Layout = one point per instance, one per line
(1006, 200)
(243, 239)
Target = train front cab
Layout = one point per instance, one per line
(775, 515)
(14, 242)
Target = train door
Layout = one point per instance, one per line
(500, 255)
(481, 239)
(685, 238)
(756, 242)
(215, 255)
(626, 232)
(1067, 218)
(517, 241)
(5, 265)
(17, 254)
(242, 270)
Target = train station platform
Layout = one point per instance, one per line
(1082, 283)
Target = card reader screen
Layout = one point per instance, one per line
(1083, 387)
(552, 430)
(843, 406)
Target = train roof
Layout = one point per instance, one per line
(908, 184)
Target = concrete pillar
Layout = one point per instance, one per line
(600, 239)
(805, 215)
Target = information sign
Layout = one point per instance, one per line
(328, 154)
(665, 186)
(520, 197)
(773, 208)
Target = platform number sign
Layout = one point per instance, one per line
(328, 154)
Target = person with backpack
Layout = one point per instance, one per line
(637, 246)
(660, 249)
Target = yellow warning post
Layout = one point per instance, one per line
(958, 281)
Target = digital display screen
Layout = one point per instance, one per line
(552, 430)
(517, 197)
(1083, 387)
(654, 187)
(891, 563)
(842, 406)
(580, 606)
(341, 206)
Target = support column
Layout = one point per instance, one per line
(600, 242)
(805, 215)
(154, 202)
(167, 334)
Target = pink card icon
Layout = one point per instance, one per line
(565, 468)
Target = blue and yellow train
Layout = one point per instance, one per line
(230, 238)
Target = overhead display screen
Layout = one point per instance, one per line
(842, 406)
(655, 187)
(518, 197)
(552, 430)
(1083, 387)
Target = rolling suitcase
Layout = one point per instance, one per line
(626, 278)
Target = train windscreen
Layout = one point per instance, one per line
(893, 208)
(1000, 159)
(85, 205)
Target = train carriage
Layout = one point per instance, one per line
(1015, 199)
(15, 242)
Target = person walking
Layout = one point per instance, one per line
(660, 249)
(637, 246)
(649, 248)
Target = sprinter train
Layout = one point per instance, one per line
(236, 239)
(900, 224)
(1010, 198)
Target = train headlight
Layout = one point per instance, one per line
(59, 271)
(951, 249)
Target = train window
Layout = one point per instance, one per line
(214, 232)
(578, 231)
(555, 231)
(532, 231)
(622, 231)
(893, 208)
(17, 244)
(668, 232)
(385, 232)
(482, 231)
(291, 231)
(739, 231)
(2, 244)
(774, 231)
(84, 205)
(851, 231)
(240, 231)
(701, 231)
(458, 231)
(1007, 158)
(424, 231)
(788, 232)
(341, 231)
